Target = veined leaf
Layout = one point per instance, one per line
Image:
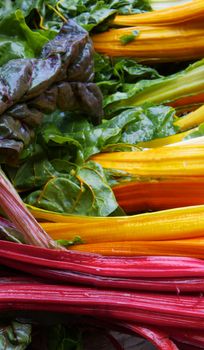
(83, 192)
(129, 127)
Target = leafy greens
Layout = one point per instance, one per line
(61, 78)
(55, 171)
(161, 90)
(111, 75)
(17, 40)
(90, 14)
(56, 174)
(132, 126)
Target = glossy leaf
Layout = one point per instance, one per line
(111, 75)
(83, 192)
(131, 6)
(16, 336)
(129, 127)
(34, 174)
(97, 15)
(31, 87)
(17, 40)
(161, 90)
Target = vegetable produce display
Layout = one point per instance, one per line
(101, 174)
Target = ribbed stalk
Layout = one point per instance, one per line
(170, 224)
(176, 12)
(157, 337)
(180, 42)
(193, 248)
(158, 195)
(182, 160)
(18, 214)
(97, 265)
(147, 308)
(189, 103)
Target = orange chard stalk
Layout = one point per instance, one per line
(159, 195)
(192, 11)
(188, 103)
(193, 248)
(163, 44)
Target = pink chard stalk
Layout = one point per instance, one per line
(18, 214)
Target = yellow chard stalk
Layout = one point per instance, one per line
(181, 160)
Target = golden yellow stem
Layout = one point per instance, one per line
(191, 120)
(169, 224)
(182, 160)
(164, 141)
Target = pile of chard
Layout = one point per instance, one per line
(157, 297)
(60, 79)
(130, 294)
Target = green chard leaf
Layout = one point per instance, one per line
(17, 40)
(148, 123)
(41, 14)
(127, 7)
(128, 70)
(15, 336)
(103, 67)
(73, 141)
(33, 174)
(5, 7)
(83, 191)
(98, 15)
(50, 14)
(161, 90)
(112, 74)
(127, 128)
